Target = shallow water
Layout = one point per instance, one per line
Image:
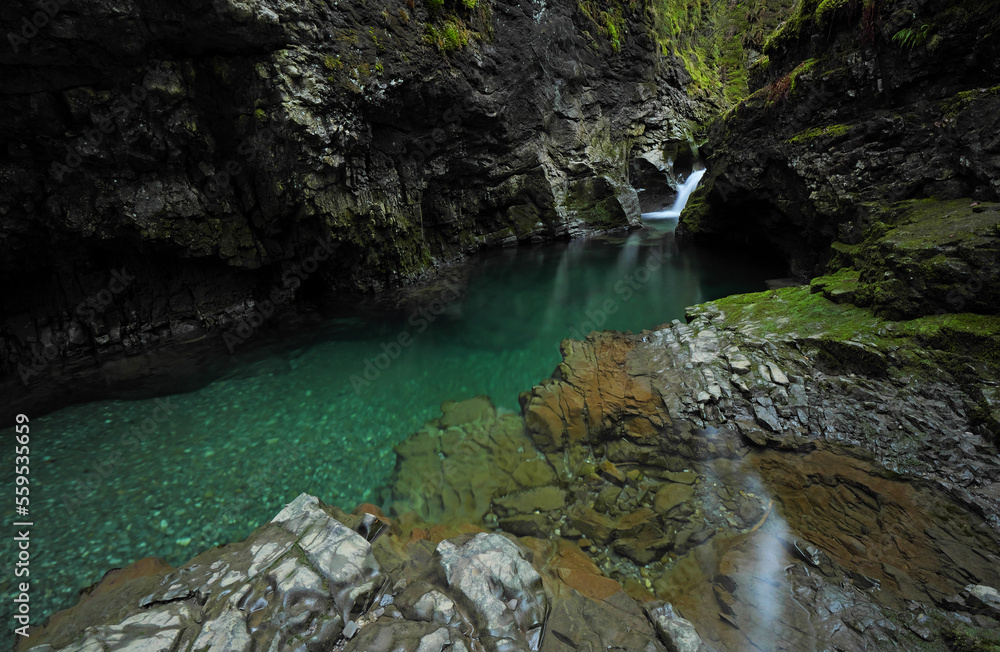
(114, 481)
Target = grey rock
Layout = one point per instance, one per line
(225, 633)
(676, 633)
(986, 597)
(487, 571)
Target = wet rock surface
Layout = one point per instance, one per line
(747, 468)
(318, 578)
(742, 480)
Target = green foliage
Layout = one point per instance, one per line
(713, 39)
(450, 36)
(963, 638)
(911, 38)
(332, 63)
(813, 15)
(609, 21)
(457, 22)
(379, 68)
(453, 38)
(260, 115)
(376, 40)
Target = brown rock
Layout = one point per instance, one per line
(596, 526)
(456, 413)
(671, 495)
(543, 499)
(612, 473)
(534, 473)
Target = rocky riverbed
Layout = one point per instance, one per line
(785, 472)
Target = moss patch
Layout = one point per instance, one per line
(813, 133)
(857, 339)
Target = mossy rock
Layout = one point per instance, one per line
(928, 257)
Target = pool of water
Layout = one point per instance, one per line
(114, 481)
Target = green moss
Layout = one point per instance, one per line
(379, 47)
(696, 212)
(456, 23)
(610, 21)
(958, 102)
(829, 9)
(844, 255)
(856, 338)
(840, 287)
(813, 133)
(964, 638)
(800, 70)
(713, 39)
(810, 16)
(260, 115)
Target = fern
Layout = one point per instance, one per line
(910, 38)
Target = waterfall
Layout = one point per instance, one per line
(684, 191)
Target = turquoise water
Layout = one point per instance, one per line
(322, 415)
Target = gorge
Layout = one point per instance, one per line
(268, 261)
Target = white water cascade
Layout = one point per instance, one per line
(684, 191)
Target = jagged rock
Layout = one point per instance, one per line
(677, 634)
(310, 578)
(985, 597)
(497, 587)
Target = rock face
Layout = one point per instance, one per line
(228, 157)
(855, 106)
(317, 578)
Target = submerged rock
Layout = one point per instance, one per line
(817, 500)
